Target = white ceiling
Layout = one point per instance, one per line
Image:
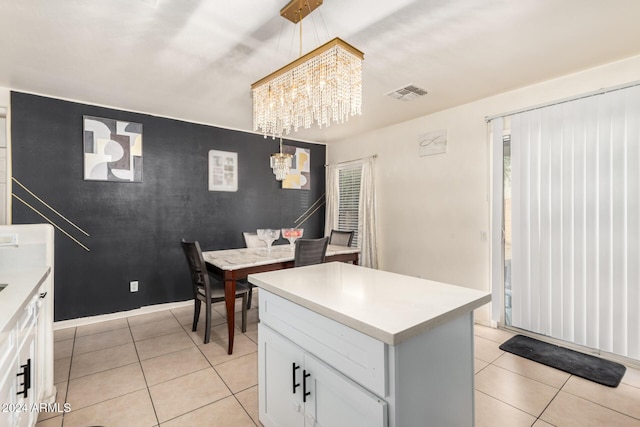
(196, 59)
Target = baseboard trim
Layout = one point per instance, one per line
(81, 321)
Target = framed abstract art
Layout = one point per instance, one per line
(112, 150)
(299, 176)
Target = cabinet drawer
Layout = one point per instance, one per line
(356, 355)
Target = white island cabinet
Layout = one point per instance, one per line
(26, 323)
(343, 345)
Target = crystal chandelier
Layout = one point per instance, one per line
(323, 86)
(281, 163)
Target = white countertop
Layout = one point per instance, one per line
(233, 259)
(22, 284)
(387, 306)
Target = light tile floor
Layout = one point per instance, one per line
(151, 370)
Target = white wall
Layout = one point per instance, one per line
(433, 209)
(5, 95)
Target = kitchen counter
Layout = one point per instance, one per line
(387, 306)
(21, 284)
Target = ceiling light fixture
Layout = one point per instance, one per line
(323, 86)
(281, 163)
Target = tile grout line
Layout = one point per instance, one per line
(100, 332)
(552, 399)
(557, 392)
(222, 379)
(139, 362)
(600, 404)
(242, 406)
(66, 393)
(537, 417)
(155, 413)
(524, 376)
(508, 404)
(107, 370)
(233, 394)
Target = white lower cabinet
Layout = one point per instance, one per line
(297, 389)
(21, 369)
(26, 323)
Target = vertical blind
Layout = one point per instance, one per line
(349, 178)
(575, 180)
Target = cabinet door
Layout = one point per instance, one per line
(40, 373)
(336, 401)
(26, 381)
(8, 397)
(279, 405)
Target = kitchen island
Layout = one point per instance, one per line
(343, 345)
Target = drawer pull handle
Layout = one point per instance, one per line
(294, 377)
(43, 294)
(26, 374)
(305, 393)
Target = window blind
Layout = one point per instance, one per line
(349, 201)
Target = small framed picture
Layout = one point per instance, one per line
(223, 171)
(432, 143)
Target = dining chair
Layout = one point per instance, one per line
(251, 241)
(310, 251)
(341, 238)
(208, 289)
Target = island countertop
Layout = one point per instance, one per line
(387, 306)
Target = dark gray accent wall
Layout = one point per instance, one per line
(135, 228)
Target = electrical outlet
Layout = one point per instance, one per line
(133, 286)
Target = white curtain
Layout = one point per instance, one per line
(367, 239)
(367, 218)
(576, 221)
(332, 199)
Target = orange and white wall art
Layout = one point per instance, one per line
(300, 173)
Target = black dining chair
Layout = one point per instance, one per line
(207, 289)
(341, 238)
(310, 251)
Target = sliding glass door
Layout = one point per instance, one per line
(571, 220)
(507, 234)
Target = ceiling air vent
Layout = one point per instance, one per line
(407, 93)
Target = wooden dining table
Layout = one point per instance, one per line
(235, 264)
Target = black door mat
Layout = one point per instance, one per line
(582, 365)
